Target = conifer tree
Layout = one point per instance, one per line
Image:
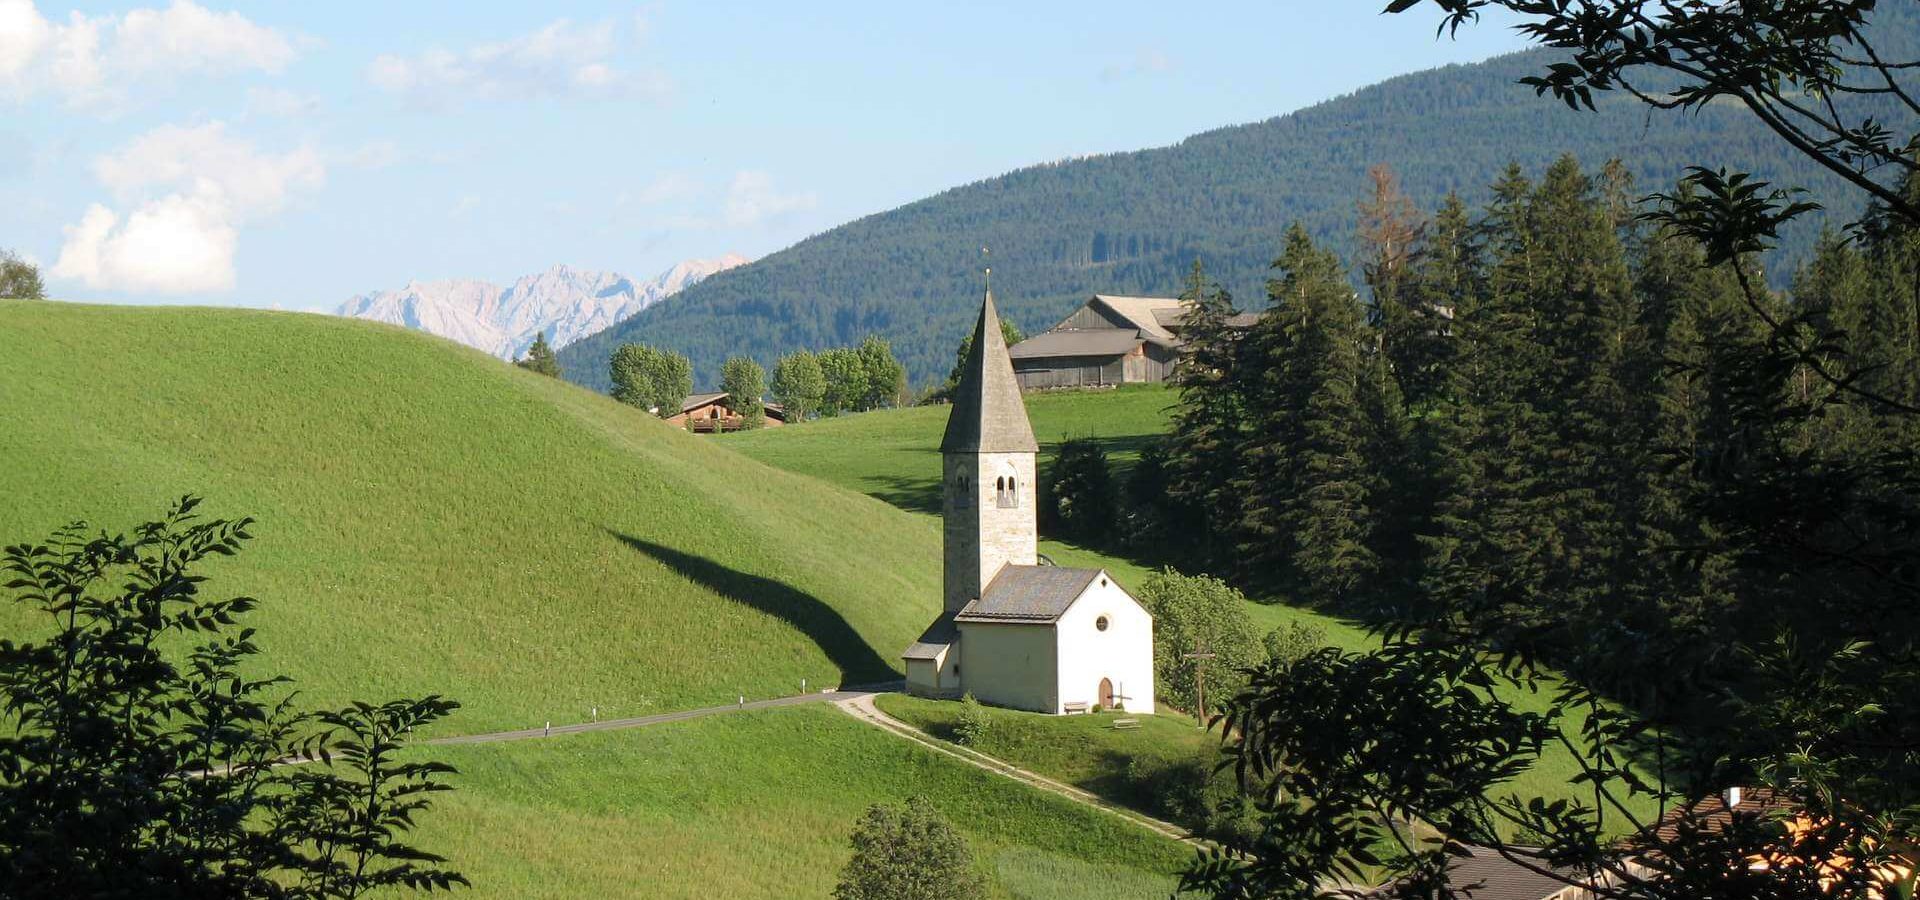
(1202, 454)
(540, 358)
(1308, 488)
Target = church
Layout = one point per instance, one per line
(1012, 631)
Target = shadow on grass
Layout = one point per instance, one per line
(822, 624)
(921, 495)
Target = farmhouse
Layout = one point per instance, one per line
(713, 412)
(1109, 341)
(1011, 631)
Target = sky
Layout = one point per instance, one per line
(294, 155)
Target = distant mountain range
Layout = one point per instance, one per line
(564, 302)
(1132, 223)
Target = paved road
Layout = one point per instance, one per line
(637, 721)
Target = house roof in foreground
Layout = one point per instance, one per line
(1028, 594)
(1484, 874)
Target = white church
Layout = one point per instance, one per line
(1013, 632)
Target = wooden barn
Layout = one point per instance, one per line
(1109, 341)
(713, 412)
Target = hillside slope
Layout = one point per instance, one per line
(433, 520)
(1131, 223)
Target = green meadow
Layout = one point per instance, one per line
(431, 520)
(758, 805)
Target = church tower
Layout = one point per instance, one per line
(988, 493)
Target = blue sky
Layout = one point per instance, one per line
(276, 154)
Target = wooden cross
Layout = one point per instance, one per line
(1200, 657)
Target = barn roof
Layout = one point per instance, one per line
(934, 641)
(988, 415)
(1090, 342)
(1036, 594)
(1144, 313)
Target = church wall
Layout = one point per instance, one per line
(1122, 653)
(1010, 665)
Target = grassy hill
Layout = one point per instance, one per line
(432, 520)
(1131, 223)
(758, 805)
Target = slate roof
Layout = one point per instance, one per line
(934, 640)
(1094, 342)
(1032, 594)
(988, 415)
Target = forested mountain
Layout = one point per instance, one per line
(1132, 223)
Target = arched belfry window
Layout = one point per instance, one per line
(1007, 491)
(963, 491)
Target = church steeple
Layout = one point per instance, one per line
(988, 461)
(988, 415)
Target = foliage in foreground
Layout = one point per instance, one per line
(143, 764)
(1754, 581)
(908, 852)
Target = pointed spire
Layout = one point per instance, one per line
(988, 415)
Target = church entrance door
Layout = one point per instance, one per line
(1106, 693)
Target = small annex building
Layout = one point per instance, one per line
(1011, 631)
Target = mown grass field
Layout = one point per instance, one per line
(432, 520)
(757, 805)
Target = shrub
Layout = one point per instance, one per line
(144, 751)
(1285, 645)
(908, 852)
(971, 729)
(1192, 611)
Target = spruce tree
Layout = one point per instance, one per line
(540, 358)
(1202, 453)
(1308, 489)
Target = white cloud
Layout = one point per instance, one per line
(1145, 61)
(671, 186)
(280, 103)
(94, 61)
(191, 188)
(751, 199)
(377, 154)
(561, 59)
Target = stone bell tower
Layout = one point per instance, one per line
(988, 501)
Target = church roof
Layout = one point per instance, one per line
(934, 641)
(988, 415)
(1035, 594)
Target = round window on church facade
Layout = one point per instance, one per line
(1100, 623)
